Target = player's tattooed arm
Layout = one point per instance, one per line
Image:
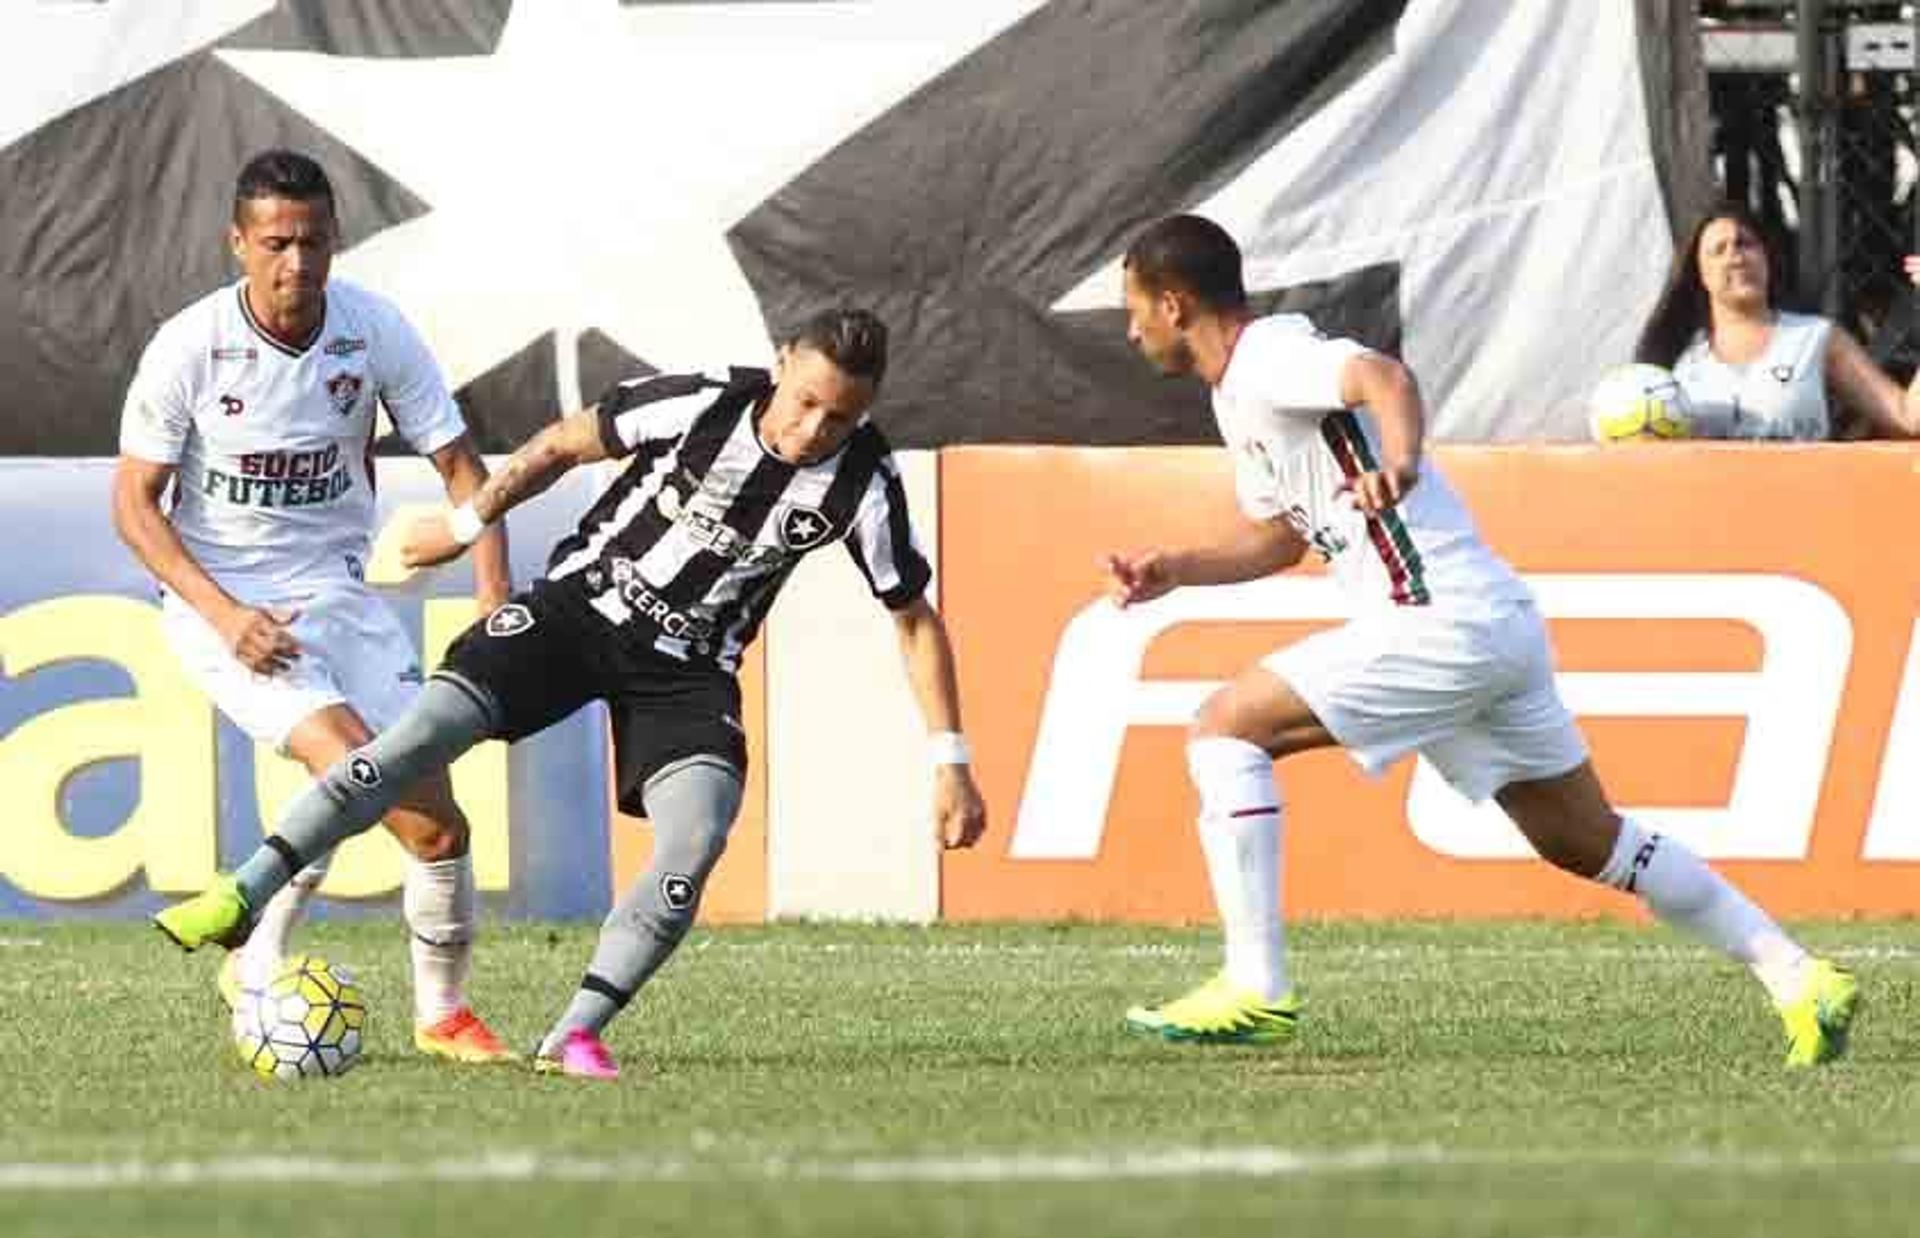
(540, 461)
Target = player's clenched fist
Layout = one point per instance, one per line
(958, 809)
(1138, 576)
(430, 542)
(1376, 491)
(260, 640)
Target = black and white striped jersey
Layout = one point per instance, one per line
(687, 548)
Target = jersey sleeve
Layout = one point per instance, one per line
(158, 414)
(658, 406)
(1299, 372)
(413, 389)
(882, 543)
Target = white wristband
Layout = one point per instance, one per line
(948, 748)
(465, 524)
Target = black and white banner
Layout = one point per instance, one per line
(561, 191)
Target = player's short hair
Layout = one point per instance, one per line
(853, 339)
(1192, 255)
(281, 174)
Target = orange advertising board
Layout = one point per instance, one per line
(1734, 624)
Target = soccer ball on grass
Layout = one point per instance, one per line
(307, 1022)
(1638, 401)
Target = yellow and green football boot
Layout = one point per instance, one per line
(1821, 1018)
(1220, 1013)
(218, 915)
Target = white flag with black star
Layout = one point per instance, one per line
(562, 192)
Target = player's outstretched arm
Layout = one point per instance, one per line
(1255, 548)
(463, 472)
(959, 813)
(542, 460)
(258, 639)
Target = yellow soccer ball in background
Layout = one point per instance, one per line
(1638, 401)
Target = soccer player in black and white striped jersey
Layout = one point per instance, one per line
(730, 480)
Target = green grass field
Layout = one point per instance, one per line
(1525, 1079)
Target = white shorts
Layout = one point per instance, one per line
(353, 651)
(1470, 690)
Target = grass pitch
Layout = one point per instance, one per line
(1517, 1079)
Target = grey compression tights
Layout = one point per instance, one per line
(691, 803)
(443, 722)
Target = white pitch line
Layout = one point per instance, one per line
(1656, 951)
(1256, 1161)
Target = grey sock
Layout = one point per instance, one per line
(692, 804)
(443, 722)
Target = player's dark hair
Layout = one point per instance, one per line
(853, 339)
(281, 174)
(1192, 255)
(1682, 310)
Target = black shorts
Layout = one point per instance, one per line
(539, 657)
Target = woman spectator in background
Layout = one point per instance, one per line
(1752, 370)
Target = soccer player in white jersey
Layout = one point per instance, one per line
(256, 406)
(1445, 654)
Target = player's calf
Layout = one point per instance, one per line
(692, 804)
(1682, 890)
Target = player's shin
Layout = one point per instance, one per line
(438, 902)
(271, 934)
(443, 722)
(1240, 812)
(692, 804)
(1677, 886)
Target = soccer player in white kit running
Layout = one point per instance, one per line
(1446, 654)
(256, 404)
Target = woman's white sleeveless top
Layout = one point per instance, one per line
(1781, 394)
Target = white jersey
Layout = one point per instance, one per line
(273, 493)
(1781, 394)
(1296, 447)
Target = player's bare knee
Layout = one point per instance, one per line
(1217, 718)
(435, 802)
(442, 840)
(430, 828)
(446, 844)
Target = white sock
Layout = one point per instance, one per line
(268, 943)
(1679, 888)
(437, 900)
(1240, 835)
